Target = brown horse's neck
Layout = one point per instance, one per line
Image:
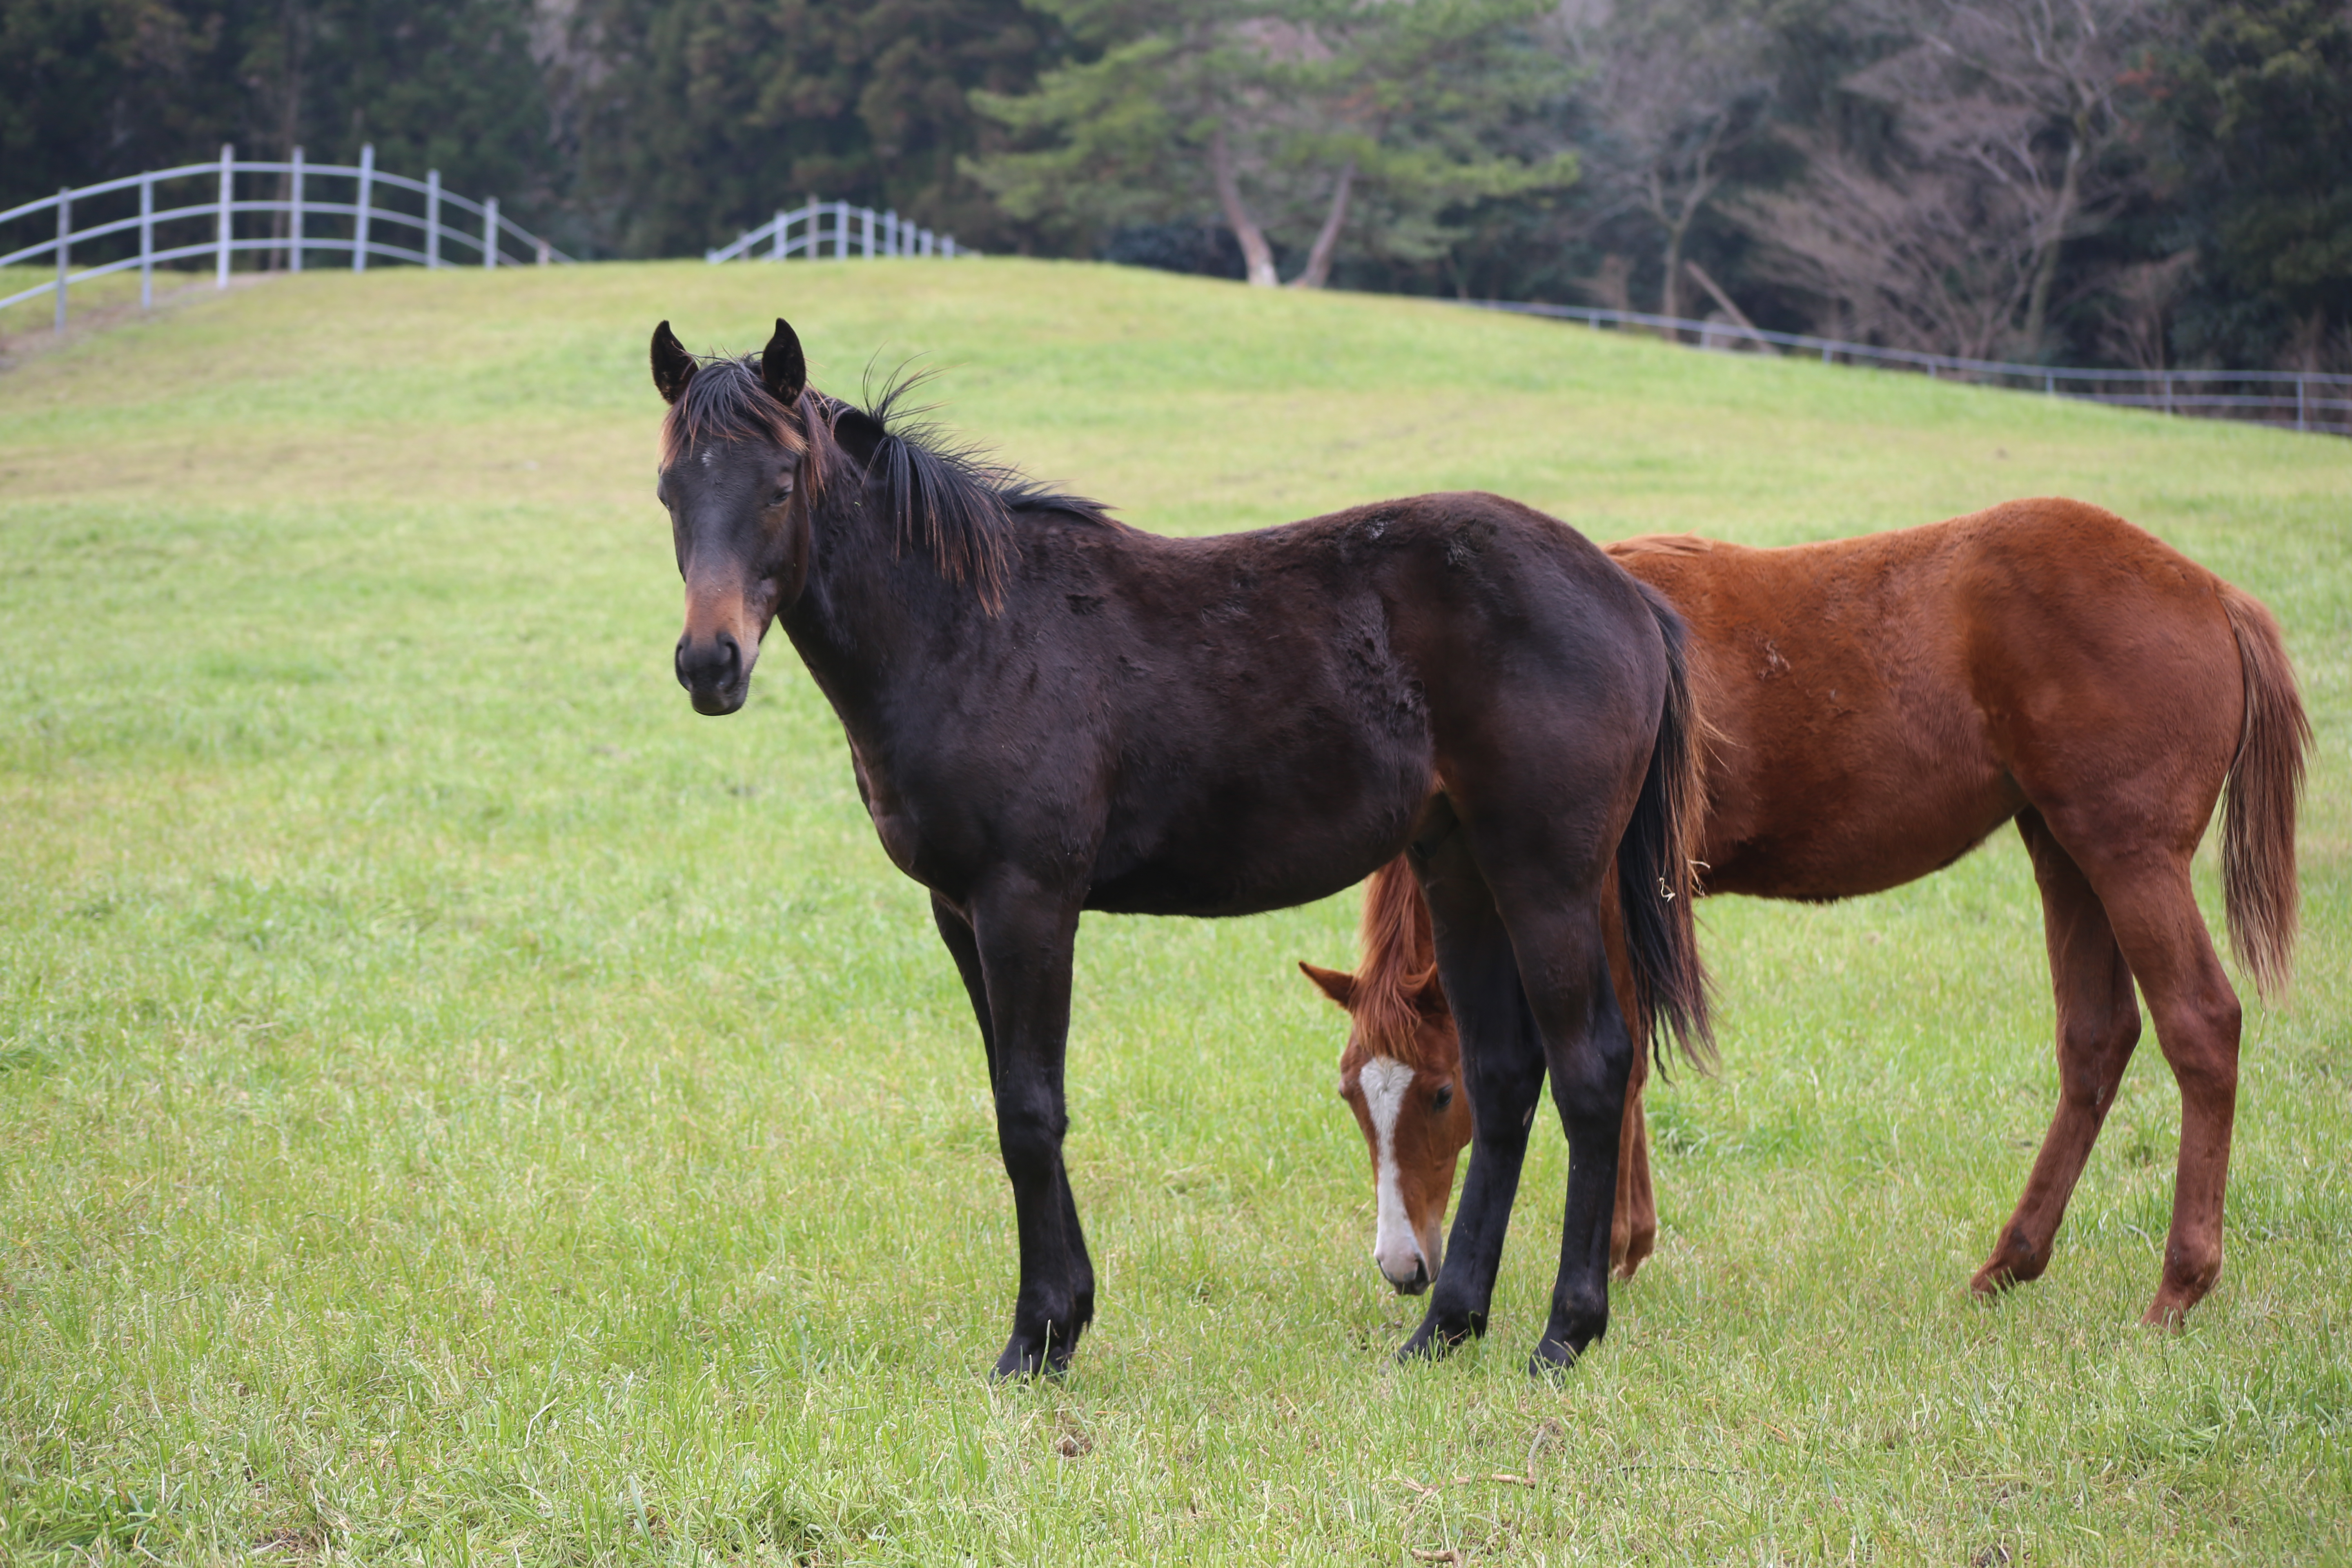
(1400, 967)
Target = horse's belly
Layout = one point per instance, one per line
(1272, 839)
(1825, 843)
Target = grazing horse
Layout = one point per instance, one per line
(1877, 708)
(1048, 712)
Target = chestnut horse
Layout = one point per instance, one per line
(1878, 706)
(1049, 712)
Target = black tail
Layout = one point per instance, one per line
(1656, 882)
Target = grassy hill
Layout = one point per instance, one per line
(456, 1103)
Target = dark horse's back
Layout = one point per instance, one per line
(1364, 661)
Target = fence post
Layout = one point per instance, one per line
(228, 194)
(490, 232)
(359, 228)
(866, 231)
(294, 220)
(776, 250)
(432, 218)
(64, 238)
(544, 249)
(2049, 385)
(146, 242)
(1827, 356)
(2302, 405)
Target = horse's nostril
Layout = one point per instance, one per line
(710, 665)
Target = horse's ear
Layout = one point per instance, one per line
(782, 371)
(673, 366)
(1339, 987)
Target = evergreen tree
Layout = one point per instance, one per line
(1297, 122)
(2260, 107)
(707, 115)
(93, 89)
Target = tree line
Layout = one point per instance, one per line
(2145, 182)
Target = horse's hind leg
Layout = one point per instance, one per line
(1502, 1071)
(1633, 1229)
(2197, 1018)
(1545, 891)
(2151, 909)
(2098, 1024)
(1591, 1058)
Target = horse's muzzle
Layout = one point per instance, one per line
(713, 673)
(1413, 1285)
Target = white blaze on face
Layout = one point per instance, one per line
(1384, 1083)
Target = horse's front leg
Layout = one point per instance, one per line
(1014, 955)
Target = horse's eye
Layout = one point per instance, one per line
(1443, 1097)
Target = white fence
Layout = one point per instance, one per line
(803, 232)
(2313, 400)
(486, 234)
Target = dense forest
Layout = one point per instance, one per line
(2144, 183)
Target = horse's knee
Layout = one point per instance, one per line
(1029, 1137)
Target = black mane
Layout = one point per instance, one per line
(945, 497)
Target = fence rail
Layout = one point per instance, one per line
(295, 239)
(875, 234)
(2317, 401)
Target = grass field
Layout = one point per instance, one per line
(458, 1106)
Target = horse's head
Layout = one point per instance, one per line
(1402, 1078)
(739, 468)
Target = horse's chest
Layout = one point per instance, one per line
(894, 823)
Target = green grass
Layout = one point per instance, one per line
(455, 1105)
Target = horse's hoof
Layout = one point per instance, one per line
(1025, 1358)
(2166, 1313)
(1551, 1361)
(1433, 1339)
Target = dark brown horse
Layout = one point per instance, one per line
(1049, 712)
(1878, 707)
